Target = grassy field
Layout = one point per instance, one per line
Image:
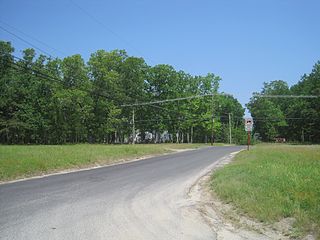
(272, 182)
(19, 161)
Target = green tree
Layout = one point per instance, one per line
(268, 118)
(306, 111)
(107, 93)
(53, 101)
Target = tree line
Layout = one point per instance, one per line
(46, 100)
(296, 119)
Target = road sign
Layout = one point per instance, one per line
(248, 128)
(248, 124)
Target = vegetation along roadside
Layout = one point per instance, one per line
(17, 161)
(272, 182)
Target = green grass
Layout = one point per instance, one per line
(19, 161)
(272, 182)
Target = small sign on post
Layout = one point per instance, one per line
(248, 125)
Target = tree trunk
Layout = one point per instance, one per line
(116, 137)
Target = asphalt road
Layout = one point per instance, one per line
(138, 200)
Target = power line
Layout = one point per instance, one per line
(285, 96)
(44, 76)
(25, 41)
(289, 118)
(145, 122)
(202, 119)
(49, 77)
(173, 119)
(105, 26)
(168, 110)
(181, 119)
(275, 120)
(33, 38)
(123, 105)
(174, 99)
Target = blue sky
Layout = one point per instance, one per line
(246, 42)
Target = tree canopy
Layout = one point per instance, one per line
(69, 100)
(296, 119)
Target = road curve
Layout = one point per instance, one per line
(138, 200)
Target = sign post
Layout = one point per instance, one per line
(248, 124)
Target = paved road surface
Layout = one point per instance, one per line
(139, 200)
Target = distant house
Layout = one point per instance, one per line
(150, 137)
(280, 140)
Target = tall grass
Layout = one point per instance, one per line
(20, 161)
(272, 182)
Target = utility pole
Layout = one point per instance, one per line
(133, 128)
(212, 129)
(230, 137)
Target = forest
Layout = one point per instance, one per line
(57, 101)
(297, 119)
(45, 100)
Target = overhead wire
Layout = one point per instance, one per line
(174, 99)
(41, 50)
(123, 105)
(33, 38)
(25, 41)
(201, 119)
(286, 96)
(104, 26)
(49, 77)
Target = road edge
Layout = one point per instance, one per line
(97, 166)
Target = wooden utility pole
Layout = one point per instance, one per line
(133, 128)
(212, 126)
(212, 131)
(249, 139)
(230, 137)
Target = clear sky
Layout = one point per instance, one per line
(246, 42)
